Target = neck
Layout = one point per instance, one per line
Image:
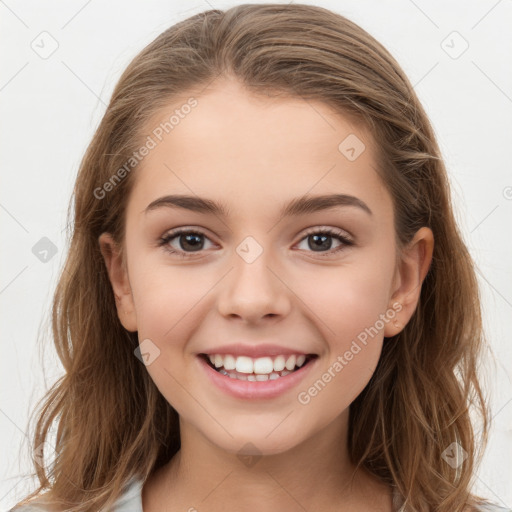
(315, 475)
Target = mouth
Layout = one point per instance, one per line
(257, 370)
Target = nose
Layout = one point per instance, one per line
(254, 291)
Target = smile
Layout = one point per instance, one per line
(257, 369)
(248, 378)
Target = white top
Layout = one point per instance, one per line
(131, 501)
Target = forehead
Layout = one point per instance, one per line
(249, 149)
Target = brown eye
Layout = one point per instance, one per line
(320, 241)
(185, 242)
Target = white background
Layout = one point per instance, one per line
(50, 108)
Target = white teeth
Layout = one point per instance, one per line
(259, 369)
(279, 363)
(229, 363)
(243, 364)
(252, 377)
(290, 363)
(263, 365)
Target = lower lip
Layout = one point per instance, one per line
(256, 389)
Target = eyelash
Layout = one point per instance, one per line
(164, 241)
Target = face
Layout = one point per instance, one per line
(320, 281)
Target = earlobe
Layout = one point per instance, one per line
(118, 276)
(412, 269)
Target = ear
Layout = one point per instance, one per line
(414, 262)
(118, 275)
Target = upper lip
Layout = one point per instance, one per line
(260, 350)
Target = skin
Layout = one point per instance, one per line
(255, 154)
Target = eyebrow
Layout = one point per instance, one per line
(298, 206)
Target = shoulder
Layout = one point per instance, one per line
(129, 501)
(38, 504)
(35, 506)
(485, 506)
(27, 508)
(491, 507)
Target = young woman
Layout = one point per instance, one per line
(267, 303)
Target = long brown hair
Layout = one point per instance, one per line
(113, 423)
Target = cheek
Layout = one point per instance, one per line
(166, 302)
(346, 300)
(349, 306)
(166, 296)
(353, 331)
(338, 382)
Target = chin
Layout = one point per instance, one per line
(255, 443)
